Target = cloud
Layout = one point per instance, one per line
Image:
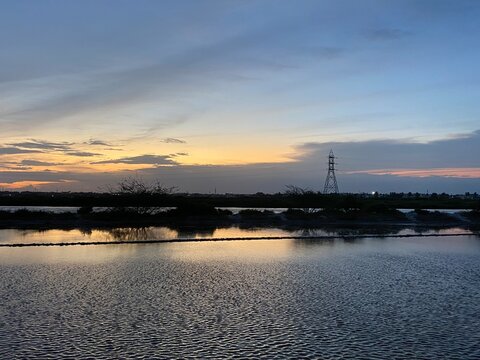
(463, 173)
(449, 165)
(455, 151)
(95, 142)
(82, 153)
(227, 56)
(17, 168)
(37, 163)
(43, 145)
(141, 160)
(249, 178)
(173, 141)
(16, 150)
(31, 184)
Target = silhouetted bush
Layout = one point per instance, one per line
(473, 215)
(378, 208)
(196, 209)
(421, 212)
(143, 196)
(255, 214)
(350, 202)
(296, 214)
(85, 210)
(434, 216)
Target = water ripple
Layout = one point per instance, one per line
(373, 304)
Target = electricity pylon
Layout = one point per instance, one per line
(331, 186)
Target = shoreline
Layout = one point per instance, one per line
(290, 219)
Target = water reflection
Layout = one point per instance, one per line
(232, 251)
(188, 232)
(81, 235)
(142, 233)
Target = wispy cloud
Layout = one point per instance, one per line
(173, 141)
(15, 150)
(37, 163)
(26, 184)
(228, 56)
(142, 160)
(96, 142)
(48, 147)
(464, 173)
(82, 153)
(43, 145)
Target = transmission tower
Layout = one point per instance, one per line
(331, 186)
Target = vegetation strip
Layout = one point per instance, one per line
(234, 239)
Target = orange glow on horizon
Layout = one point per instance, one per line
(465, 173)
(27, 184)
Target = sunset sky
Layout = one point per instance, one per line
(240, 96)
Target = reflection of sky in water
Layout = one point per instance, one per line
(262, 250)
(242, 250)
(53, 209)
(14, 236)
(147, 233)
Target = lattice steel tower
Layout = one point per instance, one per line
(331, 186)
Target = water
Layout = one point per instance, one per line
(236, 210)
(52, 209)
(444, 211)
(369, 298)
(89, 235)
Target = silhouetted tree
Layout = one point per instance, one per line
(141, 194)
(293, 190)
(302, 194)
(139, 187)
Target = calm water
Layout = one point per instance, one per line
(371, 299)
(15, 236)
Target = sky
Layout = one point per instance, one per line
(240, 96)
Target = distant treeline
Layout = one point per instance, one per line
(289, 199)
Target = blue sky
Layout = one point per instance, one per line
(249, 95)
